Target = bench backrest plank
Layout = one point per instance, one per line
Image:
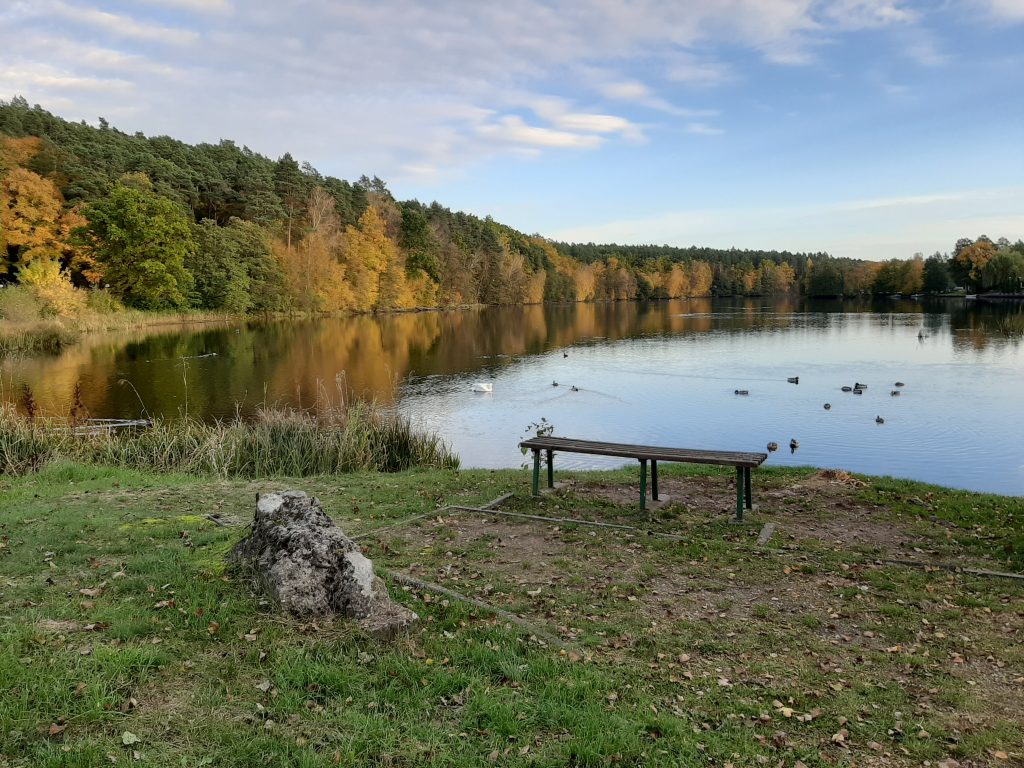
(649, 452)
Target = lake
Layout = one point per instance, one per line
(660, 373)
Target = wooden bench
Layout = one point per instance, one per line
(743, 462)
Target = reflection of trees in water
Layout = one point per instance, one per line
(982, 325)
(288, 361)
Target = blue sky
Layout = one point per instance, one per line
(866, 128)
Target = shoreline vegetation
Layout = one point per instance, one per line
(94, 220)
(327, 439)
(53, 334)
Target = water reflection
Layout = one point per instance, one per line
(652, 372)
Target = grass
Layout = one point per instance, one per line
(329, 440)
(119, 618)
(27, 328)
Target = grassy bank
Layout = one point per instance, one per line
(26, 328)
(125, 639)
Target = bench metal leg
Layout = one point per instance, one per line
(643, 484)
(747, 484)
(551, 469)
(654, 479)
(536, 472)
(739, 494)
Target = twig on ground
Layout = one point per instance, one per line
(412, 581)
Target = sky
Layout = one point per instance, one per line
(865, 128)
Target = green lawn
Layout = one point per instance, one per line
(124, 639)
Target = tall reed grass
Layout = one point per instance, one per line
(277, 442)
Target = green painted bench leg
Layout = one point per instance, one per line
(747, 483)
(739, 494)
(643, 484)
(536, 472)
(551, 469)
(654, 479)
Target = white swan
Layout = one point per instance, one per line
(482, 386)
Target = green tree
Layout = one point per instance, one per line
(142, 241)
(221, 280)
(937, 277)
(826, 279)
(1004, 272)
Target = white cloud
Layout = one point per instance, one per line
(926, 53)
(196, 6)
(693, 71)
(560, 114)
(627, 91)
(1007, 10)
(399, 86)
(635, 92)
(863, 14)
(512, 130)
(49, 79)
(121, 26)
(703, 129)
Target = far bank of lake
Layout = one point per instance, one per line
(662, 372)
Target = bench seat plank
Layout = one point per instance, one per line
(649, 452)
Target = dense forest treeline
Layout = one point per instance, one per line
(91, 217)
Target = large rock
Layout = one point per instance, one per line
(311, 568)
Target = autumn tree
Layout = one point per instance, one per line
(142, 241)
(30, 212)
(969, 260)
(367, 255)
(45, 279)
(315, 276)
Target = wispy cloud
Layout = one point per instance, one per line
(51, 79)
(703, 129)
(121, 26)
(1007, 10)
(511, 129)
(196, 6)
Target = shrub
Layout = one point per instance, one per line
(51, 286)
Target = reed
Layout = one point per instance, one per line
(276, 442)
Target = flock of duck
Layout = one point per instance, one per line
(857, 389)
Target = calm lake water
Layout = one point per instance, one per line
(660, 373)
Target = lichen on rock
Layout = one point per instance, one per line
(311, 568)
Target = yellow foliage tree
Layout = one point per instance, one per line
(586, 281)
(45, 280)
(677, 282)
(30, 212)
(974, 257)
(535, 287)
(17, 151)
(313, 274)
(367, 253)
(700, 278)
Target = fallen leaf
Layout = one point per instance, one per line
(91, 592)
(213, 628)
(56, 730)
(128, 738)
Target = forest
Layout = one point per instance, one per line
(95, 218)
